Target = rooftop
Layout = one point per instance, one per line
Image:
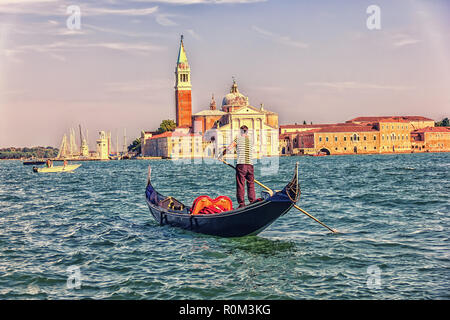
(432, 129)
(351, 128)
(406, 118)
(209, 112)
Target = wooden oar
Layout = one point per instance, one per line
(271, 193)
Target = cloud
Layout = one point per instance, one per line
(355, 85)
(193, 34)
(56, 50)
(125, 12)
(190, 2)
(19, 2)
(285, 40)
(164, 20)
(123, 33)
(29, 7)
(49, 8)
(401, 40)
(136, 86)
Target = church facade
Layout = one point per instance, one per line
(205, 133)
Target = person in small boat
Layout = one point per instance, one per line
(65, 163)
(49, 163)
(244, 166)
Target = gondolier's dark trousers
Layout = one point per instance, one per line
(244, 172)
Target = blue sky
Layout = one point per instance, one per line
(307, 60)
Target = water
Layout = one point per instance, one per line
(392, 211)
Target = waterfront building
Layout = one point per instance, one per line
(365, 135)
(103, 145)
(204, 133)
(431, 139)
(236, 112)
(416, 122)
(395, 135)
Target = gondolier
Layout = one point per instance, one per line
(244, 166)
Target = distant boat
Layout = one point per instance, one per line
(67, 168)
(35, 162)
(319, 154)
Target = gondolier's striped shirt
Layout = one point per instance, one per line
(244, 150)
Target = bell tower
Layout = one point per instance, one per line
(183, 99)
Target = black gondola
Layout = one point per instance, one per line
(249, 220)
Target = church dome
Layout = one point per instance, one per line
(235, 98)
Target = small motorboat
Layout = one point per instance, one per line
(249, 220)
(33, 162)
(66, 168)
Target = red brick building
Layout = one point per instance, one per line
(183, 97)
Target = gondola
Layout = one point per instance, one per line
(249, 220)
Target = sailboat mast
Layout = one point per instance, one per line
(81, 140)
(124, 140)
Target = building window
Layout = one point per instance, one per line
(320, 138)
(345, 148)
(365, 138)
(374, 148)
(345, 138)
(326, 139)
(374, 137)
(335, 139)
(382, 137)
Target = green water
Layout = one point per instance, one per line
(392, 211)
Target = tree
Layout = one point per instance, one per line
(167, 125)
(443, 123)
(135, 146)
(304, 121)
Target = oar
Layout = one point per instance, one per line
(295, 206)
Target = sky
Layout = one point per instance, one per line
(306, 60)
